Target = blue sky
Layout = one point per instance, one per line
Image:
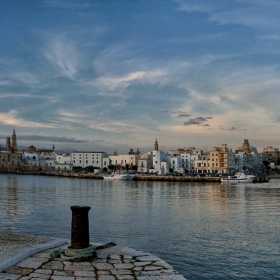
(107, 75)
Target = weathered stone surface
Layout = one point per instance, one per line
(54, 277)
(32, 262)
(142, 263)
(121, 272)
(103, 266)
(103, 272)
(44, 271)
(25, 278)
(7, 276)
(138, 268)
(106, 277)
(123, 265)
(152, 267)
(125, 277)
(38, 275)
(58, 265)
(115, 257)
(148, 259)
(114, 261)
(84, 273)
(19, 270)
(163, 264)
(85, 278)
(68, 273)
(127, 257)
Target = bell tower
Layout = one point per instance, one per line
(156, 145)
(14, 141)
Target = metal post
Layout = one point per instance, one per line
(80, 227)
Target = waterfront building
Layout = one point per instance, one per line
(86, 159)
(161, 160)
(222, 160)
(125, 161)
(202, 165)
(145, 163)
(274, 152)
(10, 161)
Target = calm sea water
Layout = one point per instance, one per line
(206, 231)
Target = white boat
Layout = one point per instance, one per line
(130, 176)
(239, 178)
(116, 176)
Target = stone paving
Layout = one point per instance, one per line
(113, 263)
(10, 240)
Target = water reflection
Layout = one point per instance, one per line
(205, 230)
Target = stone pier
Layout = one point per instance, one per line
(113, 263)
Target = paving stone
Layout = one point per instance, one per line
(138, 268)
(148, 259)
(142, 263)
(121, 272)
(163, 264)
(127, 257)
(103, 272)
(72, 266)
(84, 273)
(123, 265)
(54, 277)
(44, 254)
(85, 278)
(58, 265)
(103, 266)
(68, 273)
(25, 278)
(32, 262)
(125, 277)
(19, 270)
(38, 275)
(7, 276)
(115, 257)
(114, 261)
(152, 267)
(100, 261)
(106, 277)
(44, 271)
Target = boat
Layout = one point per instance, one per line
(239, 178)
(130, 176)
(116, 176)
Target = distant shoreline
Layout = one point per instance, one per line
(141, 177)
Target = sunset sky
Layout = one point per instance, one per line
(105, 75)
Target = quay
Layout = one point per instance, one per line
(25, 257)
(97, 176)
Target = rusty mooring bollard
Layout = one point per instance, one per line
(80, 228)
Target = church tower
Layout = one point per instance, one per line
(14, 141)
(156, 145)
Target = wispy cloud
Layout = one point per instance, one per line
(12, 118)
(63, 55)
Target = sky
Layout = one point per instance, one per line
(106, 75)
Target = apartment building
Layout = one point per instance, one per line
(222, 160)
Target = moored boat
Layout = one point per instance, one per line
(116, 176)
(239, 178)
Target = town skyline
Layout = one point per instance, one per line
(119, 74)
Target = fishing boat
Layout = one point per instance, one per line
(116, 176)
(239, 178)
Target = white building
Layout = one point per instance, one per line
(125, 160)
(85, 159)
(161, 161)
(145, 163)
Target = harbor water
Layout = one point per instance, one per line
(204, 230)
